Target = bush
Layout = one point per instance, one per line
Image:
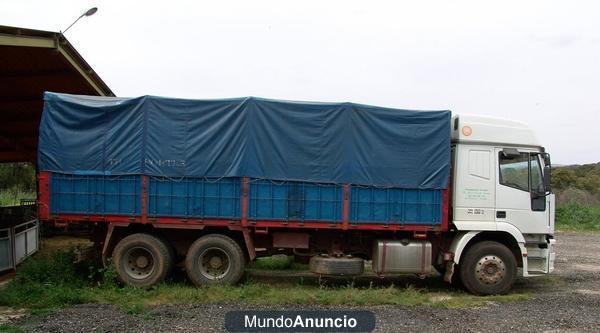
(577, 196)
(55, 269)
(53, 280)
(581, 177)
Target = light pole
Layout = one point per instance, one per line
(89, 12)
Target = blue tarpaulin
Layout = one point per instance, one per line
(254, 137)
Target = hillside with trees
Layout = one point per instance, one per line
(577, 183)
(577, 189)
(17, 181)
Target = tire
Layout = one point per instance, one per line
(336, 266)
(215, 259)
(488, 268)
(142, 260)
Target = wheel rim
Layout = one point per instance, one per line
(490, 269)
(139, 263)
(214, 263)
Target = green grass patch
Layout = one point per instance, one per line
(47, 281)
(577, 217)
(136, 301)
(254, 292)
(10, 328)
(51, 281)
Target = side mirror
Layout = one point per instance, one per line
(546, 159)
(547, 173)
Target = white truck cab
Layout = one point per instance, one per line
(501, 193)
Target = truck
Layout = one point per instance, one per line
(210, 185)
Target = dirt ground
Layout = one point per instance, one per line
(566, 301)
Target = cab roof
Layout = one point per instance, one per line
(476, 129)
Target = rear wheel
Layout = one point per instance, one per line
(215, 259)
(142, 260)
(488, 268)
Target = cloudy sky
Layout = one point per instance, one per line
(534, 61)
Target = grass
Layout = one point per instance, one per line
(10, 328)
(258, 293)
(50, 281)
(577, 217)
(13, 196)
(47, 281)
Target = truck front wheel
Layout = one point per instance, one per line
(142, 260)
(215, 259)
(488, 268)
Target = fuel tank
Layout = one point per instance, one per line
(402, 256)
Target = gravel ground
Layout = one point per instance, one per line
(567, 301)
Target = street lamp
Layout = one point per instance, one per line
(89, 12)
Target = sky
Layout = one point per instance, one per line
(532, 61)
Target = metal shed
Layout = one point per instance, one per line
(31, 62)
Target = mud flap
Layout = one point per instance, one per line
(449, 271)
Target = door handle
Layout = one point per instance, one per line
(501, 214)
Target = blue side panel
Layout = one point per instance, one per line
(194, 197)
(395, 206)
(221, 198)
(296, 201)
(94, 194)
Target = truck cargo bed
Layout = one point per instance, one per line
(198, 199)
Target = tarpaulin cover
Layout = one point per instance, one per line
(253, 137)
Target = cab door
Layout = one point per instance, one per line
(520, 192)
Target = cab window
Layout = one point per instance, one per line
(514, 171)
(537, 180)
